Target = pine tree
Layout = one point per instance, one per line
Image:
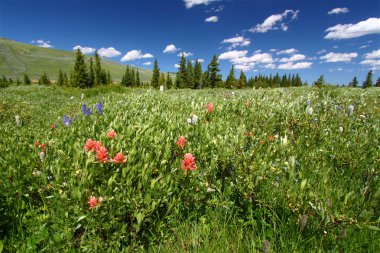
(368, 81)
(181, 79)
(44, 79)
(60, 78)
(169, 81)
(242, 80)
(354, 83)
(65, 80)
(161, 80)
(138, 82)
(91, 75)
(79, 74)
(4, 80)
(214, 72)
(10, 81)
(320, 82)
(197, 75)
(377, 82)
(156, 76)
(231, 80)
(97, 69)
(18, 82)
(109, 78)
(206, 78)
(27, 80)
(190, 75)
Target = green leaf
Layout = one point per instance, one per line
(1, 246)
(81, 218)
(373, 227)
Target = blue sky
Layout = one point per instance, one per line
(337, 38)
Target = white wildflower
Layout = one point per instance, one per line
(350, 110)
(188, 121)
(310, 110)
(71, 97)
(194, 119)
(18, 120)
(82, 96)
(341, 129)
(162, 88)
(42, 156)
(284, 140)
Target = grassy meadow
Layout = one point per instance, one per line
(275, 170)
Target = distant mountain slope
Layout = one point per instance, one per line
(19, 58)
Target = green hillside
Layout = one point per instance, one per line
(19, 58)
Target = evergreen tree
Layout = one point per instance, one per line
(156, 76)
(276, 80)
(190, 75)
(18, 82)
(169, 81)
(242, 80)
(27, 80)
(79, 74)
(368, 81)
(354, 83)
(320, 82)
(206, 78)
(60, 78)
(91, 75)
(377, 82)
(10, 81)
(231, 80)
(214, 72)
(197, 74)
(4, 80)
(138, 82)
(181, 79)
(161, 80)
(109, 78)
(44, 79)
(97, 69)
(65, 80)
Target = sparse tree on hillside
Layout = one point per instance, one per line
(60, 78)
(197, 74)
(214, 72)
(27, 80)
(320, 82)
(65, 80)
(377, 82)
(231, 80)
(242, 80)
(354, 83)
(169, 81)
(18, 82)
(91, 74)
(156, 76)
(44, 79)
(79, 74)
(368, 81)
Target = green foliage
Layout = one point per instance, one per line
(231, 81)
(91, 74)
(368, 81)
(197, 75)
(169, 81)
(269, 172)
(79, 74)
(320, 82)
(27, 80)
(377, 82)
(354, 83)
(181, 77)
(214, 70)
(44, 79)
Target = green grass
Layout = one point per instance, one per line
(19, 58)
(247, 188)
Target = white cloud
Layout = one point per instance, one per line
(338, 57)
(348, 31)
(373, 55)
(42, 43)
(338, 11)
(108, 52)
(148, 63)
(237, 41)
(298, 65)
(273, 50)
(296, 57)
(191, 3)
(201, 60)
(171, 49)
(212, 19)
(270, 66)
(185, 54)
(134, 55)
(176, 66)
(275, 22)
(322, 51)
(256, 58)
(84, 50)
(364, 46)
(232, 55)
(288, 51)
(243, 67)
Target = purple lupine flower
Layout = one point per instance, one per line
(66, 120)
(308, 103)
(338, 108)
(86, 110)
(99, 107)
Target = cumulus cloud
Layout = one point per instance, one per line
(191, 3)
(373, 55)
(148, 63)
(288, 51)
(42, 43)
(292, 65)
(185, 54)
(108, 52)
(171, 49)
(238, 41)
(348, 31)
(212, 19)
(338, 11)
(84, 50)
(232, 55)
(201, 60)
(338, 57)
(296, 57)
(270, 66)
(243, 67)
(176, 66)
(135, 55)
(372, 59)
(275, 22)
(322, 51)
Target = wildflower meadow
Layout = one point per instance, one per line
(114, 169)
